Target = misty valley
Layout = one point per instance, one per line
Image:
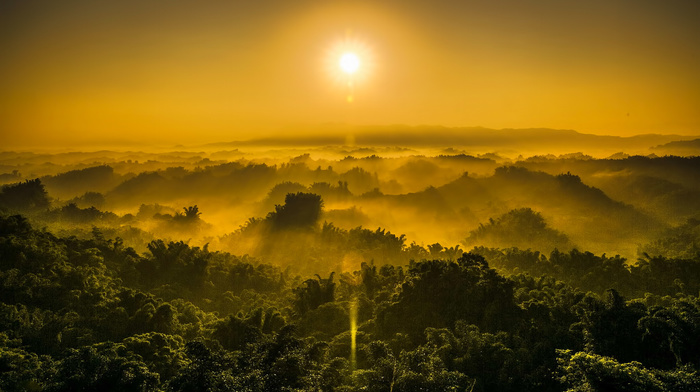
(350, 268)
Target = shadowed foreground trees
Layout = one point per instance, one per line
(92, 314)
(438, 293)
(590, 372)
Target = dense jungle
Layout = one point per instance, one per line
(348, 269)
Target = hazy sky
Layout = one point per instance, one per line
(182, 71)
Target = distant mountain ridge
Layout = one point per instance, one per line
(471, 137)
(680, 147)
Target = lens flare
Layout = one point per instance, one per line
(353, 333)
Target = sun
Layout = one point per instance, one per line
(349, 63)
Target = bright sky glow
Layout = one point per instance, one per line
(108, 71)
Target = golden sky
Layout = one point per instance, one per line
(184, 71)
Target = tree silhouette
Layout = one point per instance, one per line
(430, 294)
(314, 293)
(522, 228)
(300, 210)
(191, 215)
(28, 195)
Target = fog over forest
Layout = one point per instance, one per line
(377, 262)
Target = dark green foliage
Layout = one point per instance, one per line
(162, 353)
(421, 369)
(326, 321)
(209, 370)
(591, 272)
(614, 314)
(669, 333)
(314, 293)
(237, 275)
(15, 225)
(491, 359)
(583, 372)
(235, 332)
(102, 369)
(93, 314)
(586, 271)
(176, 262)
(438, 293)
(663, 276)
(21, 370)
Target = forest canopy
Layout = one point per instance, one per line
(540, 274)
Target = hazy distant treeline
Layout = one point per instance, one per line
(619, 205)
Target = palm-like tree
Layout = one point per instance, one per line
(315, 292)
(192, 212)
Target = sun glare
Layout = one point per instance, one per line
(349, 59)
(349, 63)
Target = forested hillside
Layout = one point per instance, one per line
(614, 205)
(95, 315)
(115, 281)
(349, 196)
